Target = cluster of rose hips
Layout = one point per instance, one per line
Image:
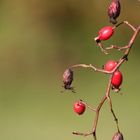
(117, 77)
(105, 33)
(79, 107)
(116, 81)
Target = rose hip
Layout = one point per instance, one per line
(67, 78)
(114, 10)
(117, 79)
(79, 107)
(105, 33)
(110, 65)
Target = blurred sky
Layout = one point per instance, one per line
(39, 39)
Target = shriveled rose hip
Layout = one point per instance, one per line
(67, 78)
(114, 10)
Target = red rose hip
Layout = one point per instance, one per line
(79, 107)
(117, 79)
(105, 33)
(110, 65)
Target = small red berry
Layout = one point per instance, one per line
(79, 107)
(105, 33)
(117, 79)
(110, 65)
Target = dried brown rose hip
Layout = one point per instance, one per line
(67, 78)
(118, 136)
(114, 10)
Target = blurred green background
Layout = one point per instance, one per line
(39, 39)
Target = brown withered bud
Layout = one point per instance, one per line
(114, 10)
(67, 78)
(118, 136)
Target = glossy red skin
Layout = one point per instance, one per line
(117, 79)
(79, 107)
(105, 33)
(110, 65)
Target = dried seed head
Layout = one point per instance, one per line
(118, 136)
(114, 10)
(67, 78)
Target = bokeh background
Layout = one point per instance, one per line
(39, 39)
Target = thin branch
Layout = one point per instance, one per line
(128, 24)
(90, 66)
(117, 47)
(105, 50)
(127, 47)
(82, 134)
(112, 111)
(88, 106)
(102, 47)
(95, 121)
(97, 114)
